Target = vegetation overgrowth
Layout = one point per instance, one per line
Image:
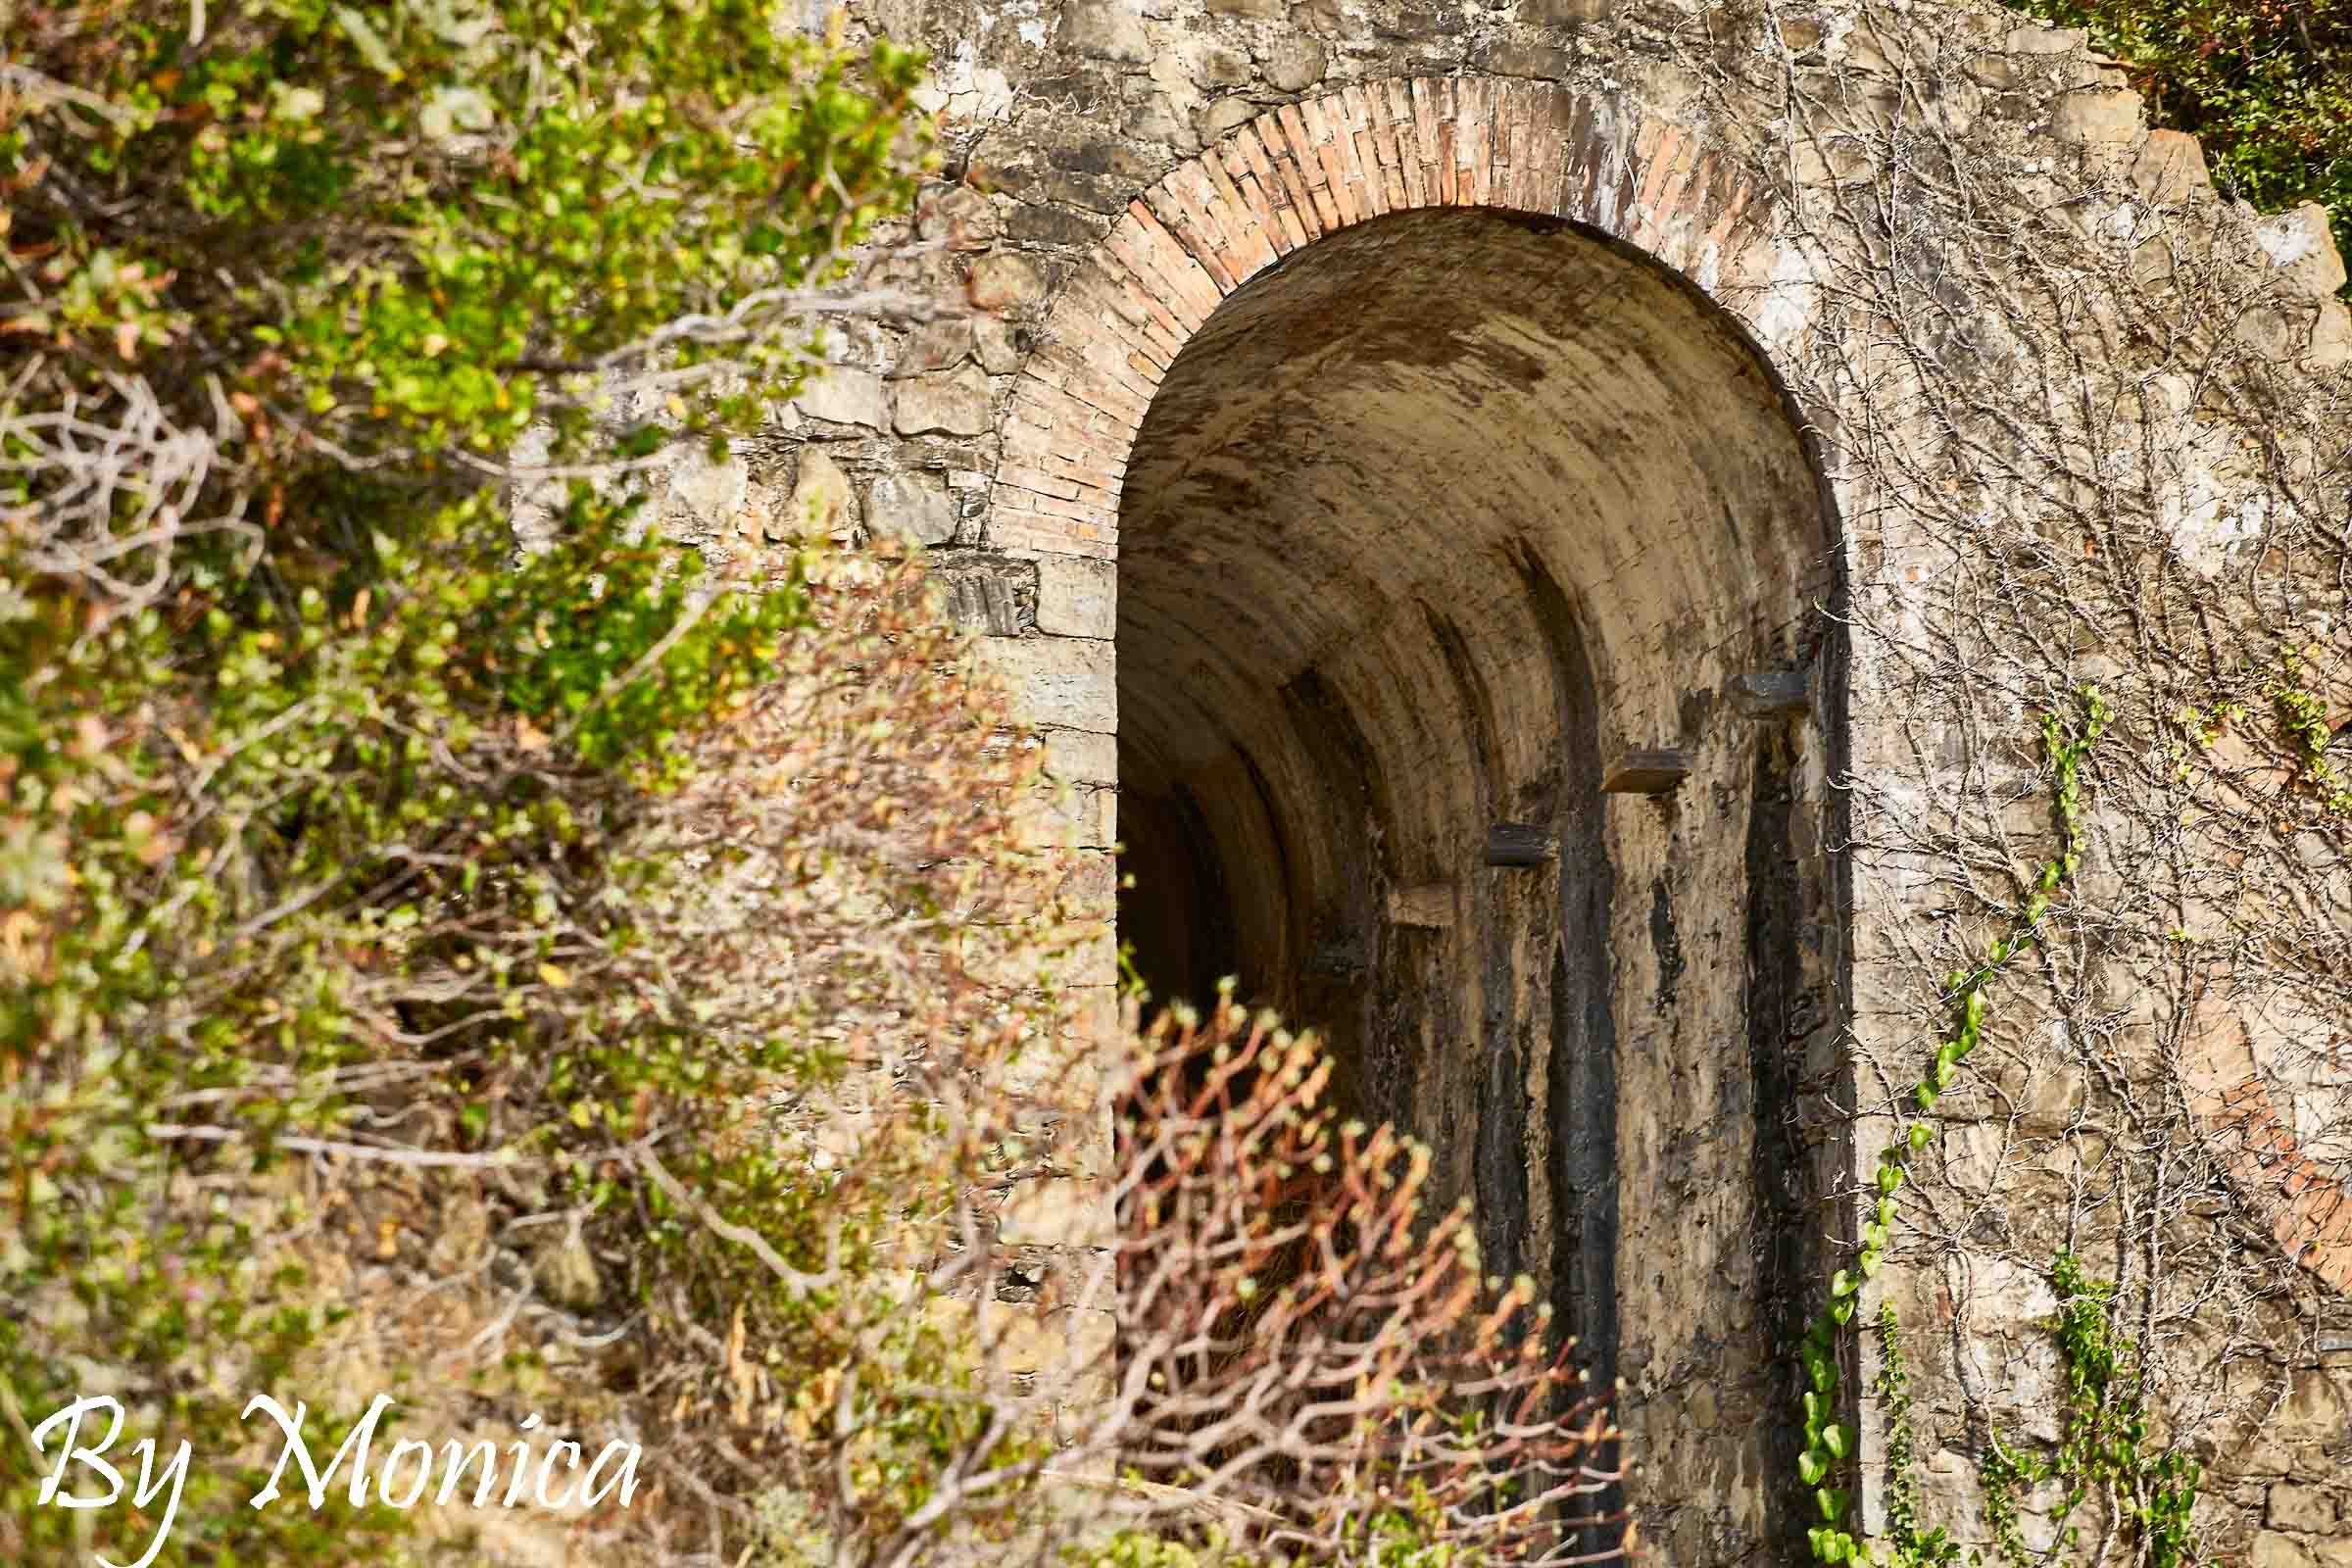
(575, 989)
(2265, 85)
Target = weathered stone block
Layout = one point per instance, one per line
(843, 395)
(996, 342)
(1070, 681)
(2274, 1549)
(961, 216)
(822, 501)
(1292, 62)
(1092, 1341)
(1832, 161)
(1038, 223)
(1566, 13)
(990, 594)
(2330, 336)
(1166, 118)
(1090, 956)
(2102, 117)
(2294, 1506)
(955, 404)
(2298, 244)
(710, 494)
(1076, 757)
(1226, 116)
(1648, 772)
(1214, 62)
(1771, 691)
(2314, 1411)
(1056, 1211)
(1067, 816)
(1090, 881)
(2171, 167)
(1524, 57)
(935, 346)
(2030, 40)
(1106, 29)
(1009, 1337)
(1006, 280)
(1077, 597)
(2046, 1096)
(1951, 1495)
(911, 505)
(1067, 1073)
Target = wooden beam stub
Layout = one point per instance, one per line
(1764, 693)
(1655, 773)
(1520, 844)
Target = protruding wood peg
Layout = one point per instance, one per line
(1520, 844)
(1766, 692)
(1647, 773)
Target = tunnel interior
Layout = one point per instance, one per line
(1424, 526)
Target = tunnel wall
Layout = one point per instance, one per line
(1429, 520)
(1704, 971)
(1578, 1044)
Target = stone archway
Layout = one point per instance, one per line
(1428, 436)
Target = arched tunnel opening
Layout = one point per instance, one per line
(1424, 527)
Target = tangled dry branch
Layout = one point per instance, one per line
(2062, 395)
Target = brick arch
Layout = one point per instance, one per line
(1547, 664)
(1288, 178)
(2307, 1208)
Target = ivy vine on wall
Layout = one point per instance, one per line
(2104, 1451)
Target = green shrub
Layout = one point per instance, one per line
(328, 900)
(562, 986)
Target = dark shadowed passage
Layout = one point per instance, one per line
(1426, 527)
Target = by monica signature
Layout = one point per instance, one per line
(401, 1481)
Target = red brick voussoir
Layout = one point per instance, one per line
(2308, 1209)
(1276, 185)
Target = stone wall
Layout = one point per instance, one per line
(1462, 418)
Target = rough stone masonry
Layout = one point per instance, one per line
(1390, 429)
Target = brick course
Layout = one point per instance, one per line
(1286, 178)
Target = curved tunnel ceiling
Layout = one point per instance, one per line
(1381, 421)
(1374, 486)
